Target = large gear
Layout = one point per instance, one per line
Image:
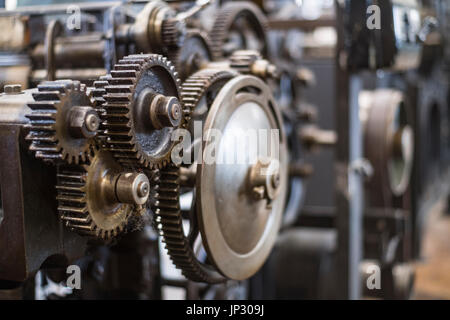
(169, 219)
(136, 82)
(88, 197)
(50, 122)
(233, 19)
(200, 93)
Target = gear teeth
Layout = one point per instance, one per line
(169, 223)
(166, 188)
(228, 14)
(117, 118)
(195, 86)
(242, 60)
(49, 101)
(73, 206)
(170, 30)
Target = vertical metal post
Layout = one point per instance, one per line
(349, 188)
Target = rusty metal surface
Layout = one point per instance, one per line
(30, 232)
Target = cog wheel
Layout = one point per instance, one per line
(192, 55)
(63, 123)
(204, 84)
(239, 25)
(142, 110)
(173, 33)
(98, 199)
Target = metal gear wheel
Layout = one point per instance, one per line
(168, 214)
(251, 62)
(98, 199)
(192, 55)
(239, 25)
(142, 110)
(63, 122)
(199, 254)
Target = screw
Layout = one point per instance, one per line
(92, 122)
(143, 189)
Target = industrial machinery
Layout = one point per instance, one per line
(181, 144)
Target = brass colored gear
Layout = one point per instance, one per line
(168, 216)
(86, 203)
(50, 127)
(235, 18)
(135, 82)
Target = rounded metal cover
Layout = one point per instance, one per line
(239, 231)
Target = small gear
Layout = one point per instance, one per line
(232, 21)
(138, 135)
(242, 60)
(173, 33)
(63, 123)
(192, 55)
(94, 199)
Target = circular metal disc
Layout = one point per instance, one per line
(239, 231)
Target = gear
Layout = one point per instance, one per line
(251, 62)
(173, 33)
(169, 220)
(192, 55)
(63, 123)
(231, 24)
(142, 110)
(94, 199)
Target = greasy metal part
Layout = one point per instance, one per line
(237, 230)
(238, 25)
(129, 119)
(165, 112)
(98, 199)
(251, 62)
(51, 132)
(197, 94)
(83, 122)
(388, 141)
(147, 31)
(193, 55)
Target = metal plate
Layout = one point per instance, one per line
(238, 231)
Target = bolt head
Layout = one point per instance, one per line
(143, 189)
(92, 122)
(13, 88)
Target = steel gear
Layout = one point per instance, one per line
(169, 219)
(232, 21)
(59, 130)
(142, 110)
(94, 199)
(173, 33)
(192, 55)
(251, 62)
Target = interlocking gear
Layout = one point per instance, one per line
(251, 62)
(63, 122)
(142, 110)
(239, 25)
(169, 219)
(192, 55)
(98, 199)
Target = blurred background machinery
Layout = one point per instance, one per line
(94, 92)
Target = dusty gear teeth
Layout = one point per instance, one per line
(227, 15)
(173, 33)
(119, 118)
(49, 129)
